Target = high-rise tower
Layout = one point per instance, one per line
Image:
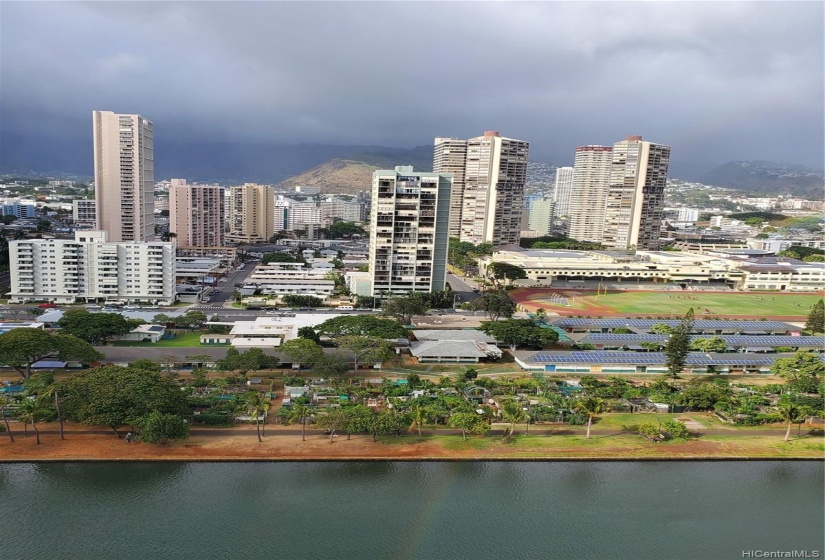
(196, 214)
(450, 158)
(495, 172)
(591, 175)
(409, 225)
(124, 176)
(635, 196)
(561, 191)
(251, 213)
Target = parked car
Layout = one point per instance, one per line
(47, 306)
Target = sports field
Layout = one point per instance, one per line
(666, 303)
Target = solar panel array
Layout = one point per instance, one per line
(698, 323)
(650, 358)
(771, 341)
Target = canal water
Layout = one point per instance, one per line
(397, 510)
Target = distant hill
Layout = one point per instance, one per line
(765, 177)
(350, 175)
(337, 176)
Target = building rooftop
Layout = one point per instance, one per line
(472, 335)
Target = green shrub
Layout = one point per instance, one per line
(675, 429)
(650, 431)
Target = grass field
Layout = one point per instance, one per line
(186, 340)
(673, 303)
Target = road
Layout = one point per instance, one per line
(462, 288)
(224, 291)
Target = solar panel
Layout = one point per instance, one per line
(732, 340)
(653, 358)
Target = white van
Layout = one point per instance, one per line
(345, 308)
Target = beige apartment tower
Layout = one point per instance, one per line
(588, 192)
(196, 214)
(636, 195)
(491, 187)
(251, 213)
(450, 158)
(124, 164)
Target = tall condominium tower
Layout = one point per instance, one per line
(494, 177)
(636, 194)
(124, 176)
(450, 158)
(251, 213)
(196, 214)
(562, 190)
(409, 225)
(591, 174)
(541, 216)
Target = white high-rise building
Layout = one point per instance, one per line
(541, 216)
(251, 213)
(196, 214)
(561, 191)
(91, 268)
(635, 199)
(124, 176)
(591, 175)
(495, 171)
(409, 226)
(450, 158)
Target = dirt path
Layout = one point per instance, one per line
(284, 443)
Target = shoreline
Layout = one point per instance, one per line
(285, 444)
(491, 459)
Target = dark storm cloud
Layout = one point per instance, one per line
(717, 81)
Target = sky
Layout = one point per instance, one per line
(717, 81)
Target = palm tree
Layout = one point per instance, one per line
(53, 392)
(300, 413)
(513, 413)
(31, 409)
(257, 404)
(419, 415)
(3, 403)
(590, 406)
(792, 414)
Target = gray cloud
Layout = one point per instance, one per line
(717, 81)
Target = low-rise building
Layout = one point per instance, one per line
(90, 268)
(544, 267)
(145, 333)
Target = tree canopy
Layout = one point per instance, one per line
(502, 272)
(94, 328)
(114, 396)
(405, 307)
(362, 325)
(250, 360)
(295, 300)
(816, 318)
(278, 258)
(495, 304)
(712, 344)
(366, 349)
(20, 348)
(157, 427)
(301, 351)
(803, 371)
(520, 332)
(342, 229)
